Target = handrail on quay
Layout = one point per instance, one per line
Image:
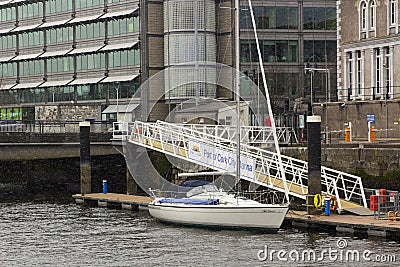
(43, 126)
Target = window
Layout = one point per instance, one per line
(319, 18)
(29, 39)
(90, 31)
(363, 18)
(7, 14)
(62, 64)
(58, 6)
(60, 35)
(387, 67)
(350, 79)
(8, 69)
(228, 120)
(367, 18)
(31, 10)
(283, 83)
(63, 93)
(272, 51)
(372, 14)
(319, 51)
(392, 12)
(270, 17)
(124, 58)
(8, 42)
(33, 67)
(359, 73)
(88, 3)
(378, 71)
(89, 62)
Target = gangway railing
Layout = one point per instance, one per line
(249, 134)
(173, 139)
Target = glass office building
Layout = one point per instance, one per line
(54, 51)
(292, 35)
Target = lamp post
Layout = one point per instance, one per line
(327, 91)
(117, 89)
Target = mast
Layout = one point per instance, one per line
(278, 151)
(237, 91)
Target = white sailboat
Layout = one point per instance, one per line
(207, 206)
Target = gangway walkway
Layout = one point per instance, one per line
(175, 140)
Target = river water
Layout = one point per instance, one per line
(47, 232)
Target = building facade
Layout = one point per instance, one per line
(68, 53)
(369, 49)
(70, 59)
(292, 35)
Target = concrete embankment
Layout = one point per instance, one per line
(381, 160)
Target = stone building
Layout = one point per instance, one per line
(369, 50)
(368, 79)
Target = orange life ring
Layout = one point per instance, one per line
(334, 203)
(397, 215)
(267, 121)
(393, 215)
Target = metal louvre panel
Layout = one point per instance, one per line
(178, 15)
(179, 48)
(183, 85)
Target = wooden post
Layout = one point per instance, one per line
(85, 165)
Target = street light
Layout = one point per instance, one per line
(327, 91)
(116, 88)
(328, 87)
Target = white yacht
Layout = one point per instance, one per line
(206, 206)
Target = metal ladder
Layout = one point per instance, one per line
(174, 139)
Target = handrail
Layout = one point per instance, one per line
(342, 185)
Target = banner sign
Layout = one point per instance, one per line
(11, 114)
(221, 159)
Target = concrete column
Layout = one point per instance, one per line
(131, 185)
(86, 169)
(314, 161)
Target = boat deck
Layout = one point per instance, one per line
(113, 200)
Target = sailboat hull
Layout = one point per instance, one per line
(257, 217)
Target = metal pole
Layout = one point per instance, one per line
(329, 85)
(117, 103)
(237, 87)
(311, 98)
(270, 113)
(387, 112)
(196, 52)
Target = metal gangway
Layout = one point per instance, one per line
(174, 139)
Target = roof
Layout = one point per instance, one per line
(119, 46)
(206, 107)
(85, 50)
(86, 80)
(55, 83)
(119, 13)
(121, 108)
(28, 85)
(119, 78)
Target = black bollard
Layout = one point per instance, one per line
(314, 165)
(131, 185)
(86, 170)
